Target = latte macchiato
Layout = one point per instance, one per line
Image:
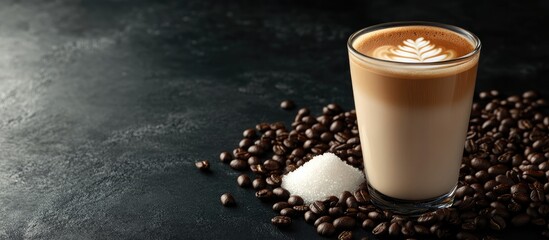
(413, 86)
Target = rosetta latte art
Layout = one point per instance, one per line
(419, 50)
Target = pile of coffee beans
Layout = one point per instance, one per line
(503, 177)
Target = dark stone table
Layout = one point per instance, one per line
(106, 105)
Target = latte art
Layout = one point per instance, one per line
(419, 50)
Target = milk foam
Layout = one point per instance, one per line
(419, 50)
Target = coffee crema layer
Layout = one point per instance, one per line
(413, 44)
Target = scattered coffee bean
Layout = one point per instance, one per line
(244, 181)
(203, 165)
(310, 217)
(345, 235)
(281, 193)
(295, 200)
(227, 200)
(281, 221)
(344, 223)
(289, 212)
(322, 220)
(238, 164)
(325, 229)
(225, 157)
(380, 228)
(287, 105)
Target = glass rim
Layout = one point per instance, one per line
(469, 35)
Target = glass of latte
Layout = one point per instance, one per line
(413, 85)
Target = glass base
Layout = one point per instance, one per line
(411, 207)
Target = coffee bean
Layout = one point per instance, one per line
(368, 224)
(497, 223)
(271, 165)
(480, 164)
(427, 218)
(281, 221)
(380, 228)
(289, 212)
(336, 126)
(318, 207)
(362, 196)
(325, 229)
(281, 193)
(344, 223)
(322, 220)
(421, 229)
(497, 169)
(280, 205)
(259, 183)
(520, 220)
(335, 211)
(301, 208)
(345, 235)
(244, 181)
(264, 194)
(287, 105)
(238, 164)
(225, 157)
(466, 236)
(227, 200)
(203, 165)
(295, 200)
(394, 229)
(310, 217)
(464, 190)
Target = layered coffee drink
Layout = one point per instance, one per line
(413, 86)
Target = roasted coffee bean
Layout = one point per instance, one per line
(351, 202)
(380, 228)
(281, 193)
(310, 217)
(264, 194)
(345, 235)
(281, 221)
(368, 224)
(244, 181)
(420, 229)
(203, 165)
(466, 236)
(480, 163)
(344, 223)
(427, 218)
(227, 200)
(343, 197)
(318, 207)
(325, 229)
(238, 164)
(289, 212)
(322, 219)
(497, 223)
(301, 208)
(520, 220)
(295, 200)
(225, 157)
(336, 126)
(335, 211)
(464, 190)
(280, 205)
(362, 196)
(259, 183)
(287, 105)
(394, 229)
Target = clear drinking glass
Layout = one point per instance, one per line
(412, 119)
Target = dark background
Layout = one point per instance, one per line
(106, 105)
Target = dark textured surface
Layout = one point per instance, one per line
(106, 105)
